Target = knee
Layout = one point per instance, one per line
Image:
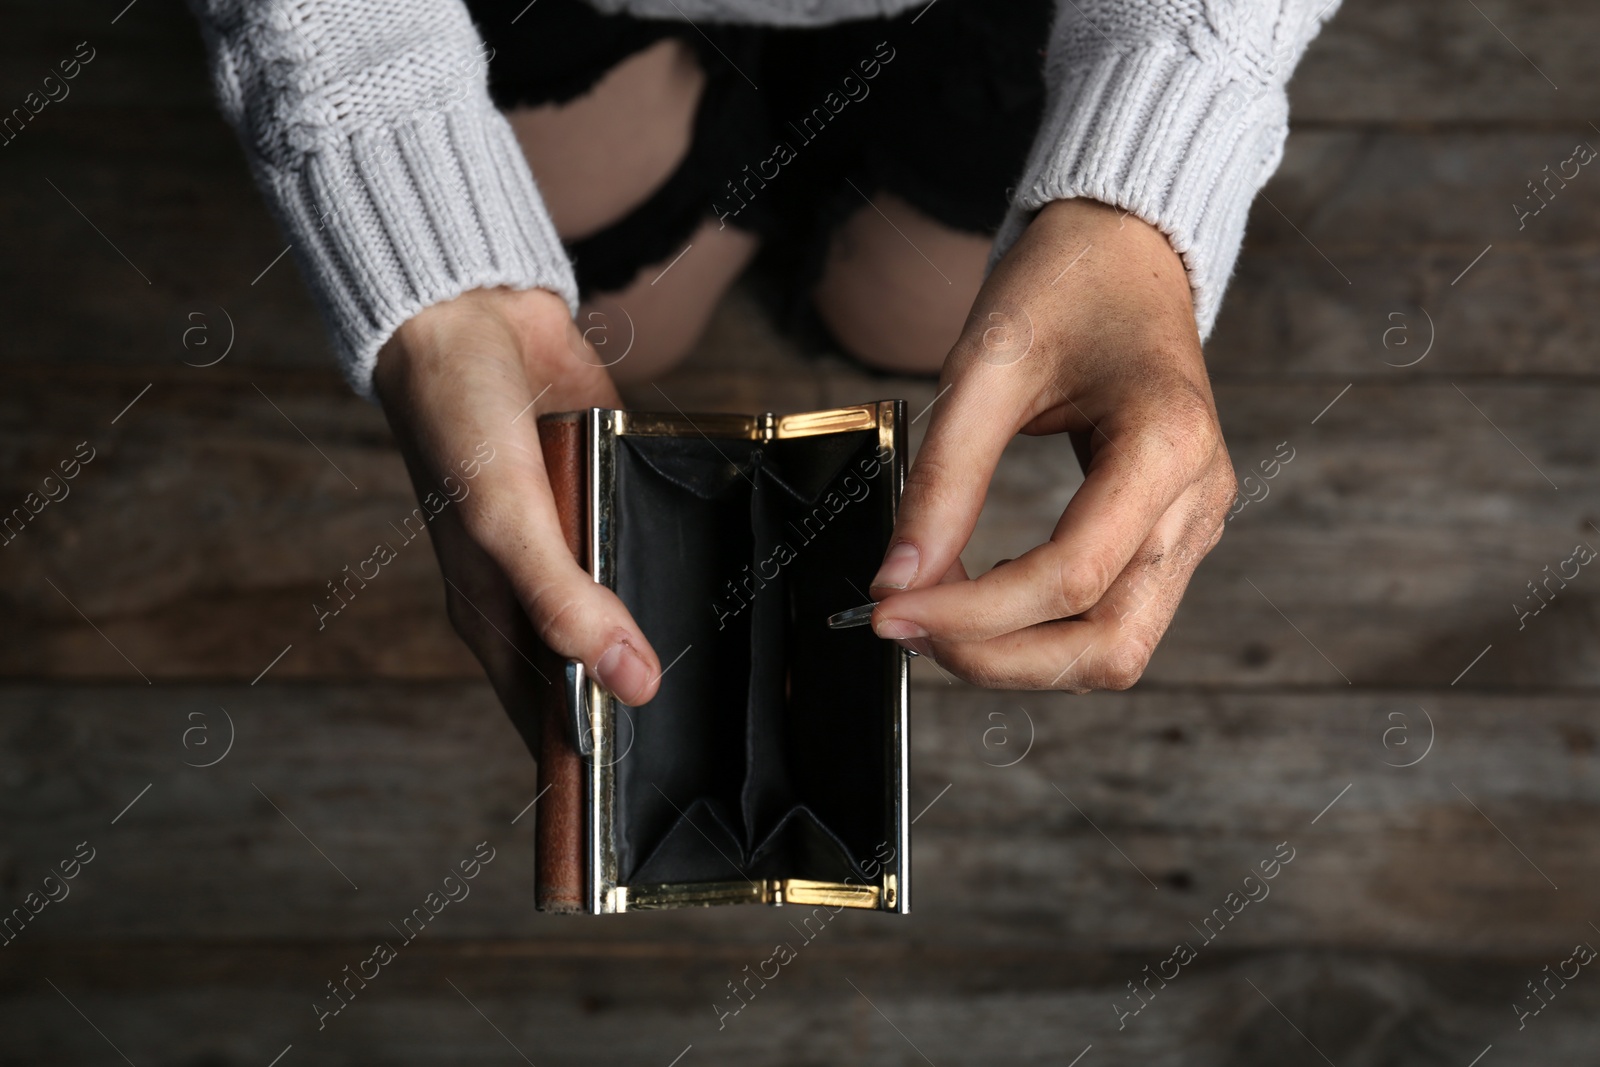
(897, 286)
(648, 328)
(634, 348)
(601, 155)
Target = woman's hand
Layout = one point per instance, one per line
(1084, 327)
(482, 367)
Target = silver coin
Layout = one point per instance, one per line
(844, 620)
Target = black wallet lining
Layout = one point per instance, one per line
(778, 770)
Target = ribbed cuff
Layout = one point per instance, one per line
(393, 221)
(1167, 137)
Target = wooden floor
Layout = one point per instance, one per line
(1348, 681)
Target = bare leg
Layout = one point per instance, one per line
(883, 298)
(599, 157)
(665, 313)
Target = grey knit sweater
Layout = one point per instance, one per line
(369, 126)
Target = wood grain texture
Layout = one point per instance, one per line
(1389, 554)
(1397, 540)
(1380, 62)
(836, 1002)
(1366, 246)
(182, 231)
(340, 807)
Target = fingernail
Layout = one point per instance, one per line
(899, 567)
(918, 646)
(623, 671)
(899, 630)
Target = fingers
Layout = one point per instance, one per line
(1111, 644)
(515, 522)
(471, 390)
(945, 487)
(920, 644)
(1114, 354)
(1156, 454)
(487, 615)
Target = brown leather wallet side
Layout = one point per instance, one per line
(558, 835)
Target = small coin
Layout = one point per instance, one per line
(860, 616)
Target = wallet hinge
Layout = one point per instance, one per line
(779, 891)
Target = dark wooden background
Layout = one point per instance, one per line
(1326, 640)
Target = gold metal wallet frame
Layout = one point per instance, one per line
(771, 766)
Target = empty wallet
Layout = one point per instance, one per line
(770, 768)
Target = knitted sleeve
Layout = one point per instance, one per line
(397, 184)
(1174, 111)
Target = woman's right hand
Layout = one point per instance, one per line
(482, 367)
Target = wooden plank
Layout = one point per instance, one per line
(1367, 246)
(1383, 62)
(1396, 543)
(1519, 311)
(206, 548)
(1381, 189)
(182, 232)
(1410, 521)
(835, 1002)
(1124, 819)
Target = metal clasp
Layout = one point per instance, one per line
(578, 721)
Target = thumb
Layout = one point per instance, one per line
(946, 485)
(462, 382)
(519, 525)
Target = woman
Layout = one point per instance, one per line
(1042, 203)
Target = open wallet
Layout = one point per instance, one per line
(770, 768)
